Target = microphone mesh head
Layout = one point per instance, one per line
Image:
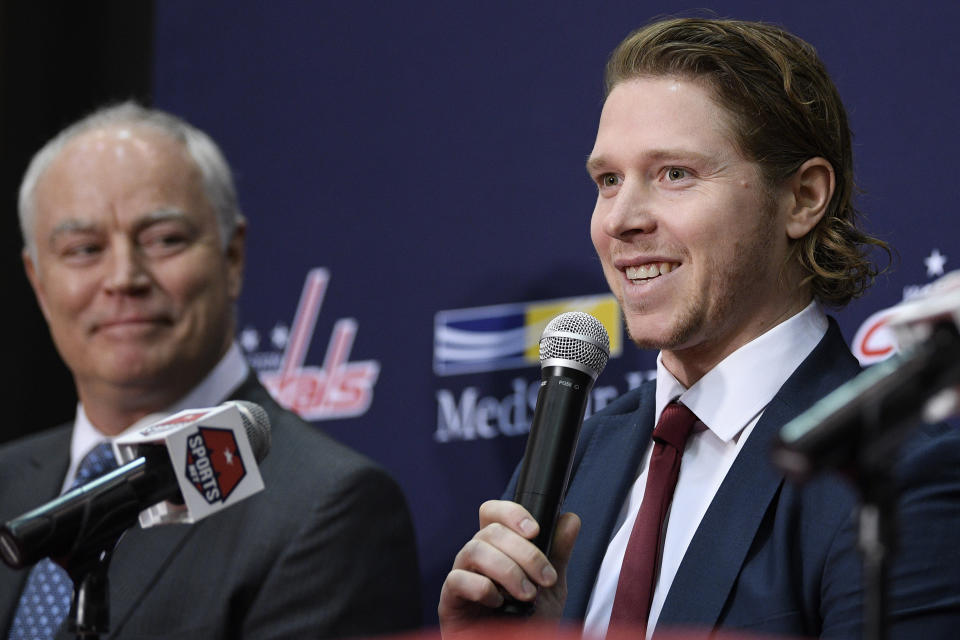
(257, 425)
(576, 337)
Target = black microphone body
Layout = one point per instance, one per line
(554, 431)
(574, 349)
(92, 514)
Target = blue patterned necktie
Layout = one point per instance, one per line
(45, 600)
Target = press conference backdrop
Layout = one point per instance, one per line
(413, 175)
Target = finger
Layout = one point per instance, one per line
(564, 538)
(465, 589)
(491, 553)
(509, 514)
(522, 552)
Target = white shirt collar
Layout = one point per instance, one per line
(229, 374)
(735, 391)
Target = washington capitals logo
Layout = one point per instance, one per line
(214, 464)
(339, 388)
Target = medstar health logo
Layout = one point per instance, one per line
(214, 464)
(506, 336)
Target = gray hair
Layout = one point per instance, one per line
(214, 170)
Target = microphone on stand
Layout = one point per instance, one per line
(181, 469)
(859, 427)
(869, 415)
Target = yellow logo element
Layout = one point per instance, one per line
(603, 307)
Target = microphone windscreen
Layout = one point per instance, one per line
(577, 340)
(256, 422)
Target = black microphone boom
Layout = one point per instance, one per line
(92, 513)
(866, 418)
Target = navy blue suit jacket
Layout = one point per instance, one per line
(770, 556)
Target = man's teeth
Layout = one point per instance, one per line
(651, 270)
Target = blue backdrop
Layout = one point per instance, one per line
(413, 175)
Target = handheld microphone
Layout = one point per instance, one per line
(574, 349)
(193, 463)
(866, 417)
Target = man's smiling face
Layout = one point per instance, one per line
(691, 241)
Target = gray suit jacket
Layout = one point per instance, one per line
(326, 550)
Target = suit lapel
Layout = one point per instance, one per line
(706, 576)
(39, 480)
(31, 475)
(141, 557)
(604, 473)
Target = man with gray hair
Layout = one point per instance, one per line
(134, 246)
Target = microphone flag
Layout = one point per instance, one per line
(211, 456)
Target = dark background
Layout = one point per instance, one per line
(429, 155)
(58, 61)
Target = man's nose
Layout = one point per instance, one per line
(632, 211)
(128, 272)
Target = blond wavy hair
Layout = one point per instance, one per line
(785, 110)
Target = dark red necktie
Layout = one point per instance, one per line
(638, 574)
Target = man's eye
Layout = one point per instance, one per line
(609, 180)
(676, 173)
(170, 240)
(163, 242)
(82, 250)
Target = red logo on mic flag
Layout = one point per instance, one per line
(214, 464)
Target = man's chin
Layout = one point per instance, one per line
(135, 370)
(139, 379)
(649, 337)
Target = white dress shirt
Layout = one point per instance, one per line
(728, 400)
(229, 374)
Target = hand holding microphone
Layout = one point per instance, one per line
(508, 558)
(180, 469)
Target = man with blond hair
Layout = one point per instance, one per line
(724, 224)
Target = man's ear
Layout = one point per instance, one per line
(236, 254)
(30, 267)
(812, 187)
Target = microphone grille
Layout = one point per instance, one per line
(575, 339)
(256, 422)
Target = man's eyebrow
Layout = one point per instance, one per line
(71, 225)
(162, 215)
(78, 225)
(597, 163)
